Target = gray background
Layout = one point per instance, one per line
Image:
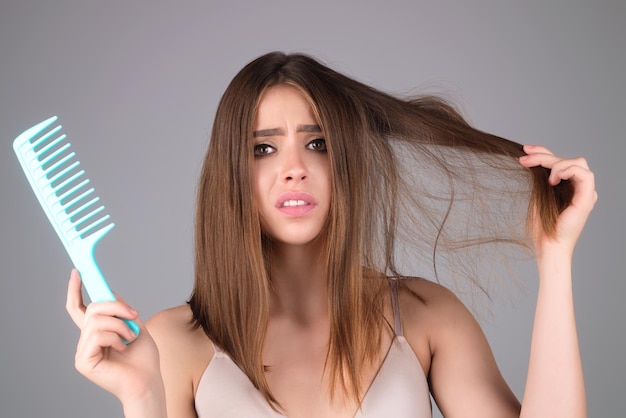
(136, 85)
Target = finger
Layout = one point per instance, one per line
(533, 149)
(91, 350)
(118, 311)
(539, 159)
(550, 160)
(584, 183)
(74, 302)
(116, 308)
(559, 168)
(98, 324)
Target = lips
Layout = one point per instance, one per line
(295, 204)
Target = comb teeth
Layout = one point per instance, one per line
(62, 186)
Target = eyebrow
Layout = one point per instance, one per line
(279, 131)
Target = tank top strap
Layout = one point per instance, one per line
(395, 305)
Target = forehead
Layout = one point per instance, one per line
(283, 104)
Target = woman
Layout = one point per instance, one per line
(298, 307)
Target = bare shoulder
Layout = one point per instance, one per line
(430, 314)
(426, 300)
(184, 352)
(454, 352)
(174, 333)
(172, 327)
(176, 320)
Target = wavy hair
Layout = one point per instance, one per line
(408, 174)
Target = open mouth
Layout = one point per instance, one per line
(295, 204)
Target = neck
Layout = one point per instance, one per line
(299, 282)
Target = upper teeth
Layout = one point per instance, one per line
(294, 203)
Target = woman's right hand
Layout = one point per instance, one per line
(130, 372)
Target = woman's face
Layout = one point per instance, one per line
(291, 169)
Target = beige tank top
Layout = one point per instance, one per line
(399, 389)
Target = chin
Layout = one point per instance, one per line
(296, 239)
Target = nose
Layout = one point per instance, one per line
(294, 167)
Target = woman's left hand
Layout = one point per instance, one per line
(571, 221)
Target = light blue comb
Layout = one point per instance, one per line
(70, 204)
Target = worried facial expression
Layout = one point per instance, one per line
(291, 169)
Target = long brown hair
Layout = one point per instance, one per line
(379, 146)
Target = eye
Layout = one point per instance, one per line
(261, 150)
(318, 144)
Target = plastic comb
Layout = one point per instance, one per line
(69, 202)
